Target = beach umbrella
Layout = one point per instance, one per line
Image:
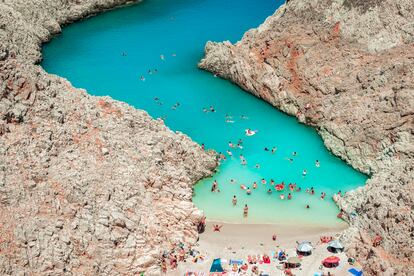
(304, 247)
(331, 260)
(293, 260)
(336, 245)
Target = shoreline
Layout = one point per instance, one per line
(238, 241)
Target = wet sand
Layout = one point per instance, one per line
(237, 241)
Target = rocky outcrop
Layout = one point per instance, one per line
(345, 67)
(88, 185)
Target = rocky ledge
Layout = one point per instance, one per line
(88, 185)
(345, 67)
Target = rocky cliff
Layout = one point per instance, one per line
(88, 185)
(345, 67)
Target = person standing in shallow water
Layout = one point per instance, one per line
(234, 201)
(245, 210)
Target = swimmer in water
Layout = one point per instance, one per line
(240, 142)
(304, 173)
(257, 166)
(307, 206)
(266, 149)
(234, 201)
(274, 150)
(269, 191)
(149, 72)
(282, 196)
(312, 191)
(294, 153)
(174, 54)
(289, 196)
(263, 181)
(289, 159)
(317, 164)
(162, 57)
(254, 185)
(244, 162)
(272, 182)
(241, 156)
(205, 110)
(323, 195)
(239, 146)
(231, 145)
(232, 181)
(248, 191)
(212, 109)
(245, 210)
(142, 78)
(214, 186)
(229, 153)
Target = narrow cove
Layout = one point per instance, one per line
(147, 54)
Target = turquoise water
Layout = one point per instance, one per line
(109, 53)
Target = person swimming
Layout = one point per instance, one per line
(289, 196)
(274, 150)
(294, 153)
(263, 181)
(307, 206)
(234, 201)
(214, 186)
(212, 109)
(323, 195)
(240, 142)
(229, 153)
(244, 162)
(239, 146)
(304, 173)
(282, 196)
(232, 181)
(254, 185)
(162, 57)
(248, 191)
(205, 110)
(312, 191)
(231, 145)
(142, 78)
(269, 191)
(257, 166)
(266, 149)
(245, 210)
(317, 164)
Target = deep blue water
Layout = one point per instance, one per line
(108, 55)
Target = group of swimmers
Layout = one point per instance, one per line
(292, 187)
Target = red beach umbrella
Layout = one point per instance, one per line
(331, 260)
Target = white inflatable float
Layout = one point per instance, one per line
(250, 132)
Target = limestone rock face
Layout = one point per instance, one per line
(345, 67)
(88, 185)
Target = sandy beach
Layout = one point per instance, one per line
(237, 241)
